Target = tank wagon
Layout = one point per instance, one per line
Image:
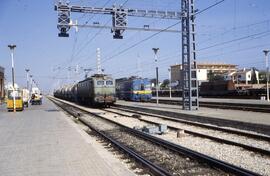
(98, 89)
(134, 89)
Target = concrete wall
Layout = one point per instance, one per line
(202, 74)
(176, 74)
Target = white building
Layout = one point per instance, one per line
(242, 76)
(203, 70)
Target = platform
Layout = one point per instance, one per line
(222, 100)
(43, 141)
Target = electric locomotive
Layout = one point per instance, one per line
(134, 89)
(98, 89)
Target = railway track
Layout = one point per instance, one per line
(218, 105)
(198, 124)
(203, 120)
(158, 154)
(205, 135)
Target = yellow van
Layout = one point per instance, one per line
(18, 100)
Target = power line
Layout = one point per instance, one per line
(87, 43)
(238, 50)
(209, 7)
(233, 40)
(236, 28)
(153, 35)
(138, 43)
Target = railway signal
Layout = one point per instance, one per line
(119, 18)
(119, 25)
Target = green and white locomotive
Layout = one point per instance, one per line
(98, 89)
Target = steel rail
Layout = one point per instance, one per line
(234, 106)
(220, 140)
(227, 167)
(251, 135)
(155, 169)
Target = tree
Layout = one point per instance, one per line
(210, 75)
(165, 83)
(218, 78)
(253, 76)
(262, 77)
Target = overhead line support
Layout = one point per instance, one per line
(119, 16)
(189, 81)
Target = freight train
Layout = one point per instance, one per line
(228, 89)
(96, 90)
(222, 89)
(134, 89)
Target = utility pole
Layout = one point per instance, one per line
(12, 47)
(27, 78)
(157, 85)
(267, 73)
(99, 71)
(189, 81)
(170, 82)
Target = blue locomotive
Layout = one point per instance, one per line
(133, 89)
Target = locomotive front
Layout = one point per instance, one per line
(104, 90)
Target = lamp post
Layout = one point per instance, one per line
(170, 82)
(12, 47)
(267, 73)
(157, 86)
(27, 77)
(31, 82)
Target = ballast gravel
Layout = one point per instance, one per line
(228, 153)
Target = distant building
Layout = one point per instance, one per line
(242, 76)
(2, 71)
(203, 70)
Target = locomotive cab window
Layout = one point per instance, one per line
(109, 82)
(100, 83)
(142, 87)
(147, 87)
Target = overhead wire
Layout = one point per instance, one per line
(233, 40)
(236, 28)
(74, 55)
(155, 34)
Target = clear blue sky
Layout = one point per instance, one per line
(236, 32)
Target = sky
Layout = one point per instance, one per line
(233, 32)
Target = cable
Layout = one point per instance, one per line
(238, 50)
(233, 40)
(236, 28)
(145, 39)
(100, 29)
(131, 38)
(153, 35)
(74, 55)
(209, 7)
(90, 31)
